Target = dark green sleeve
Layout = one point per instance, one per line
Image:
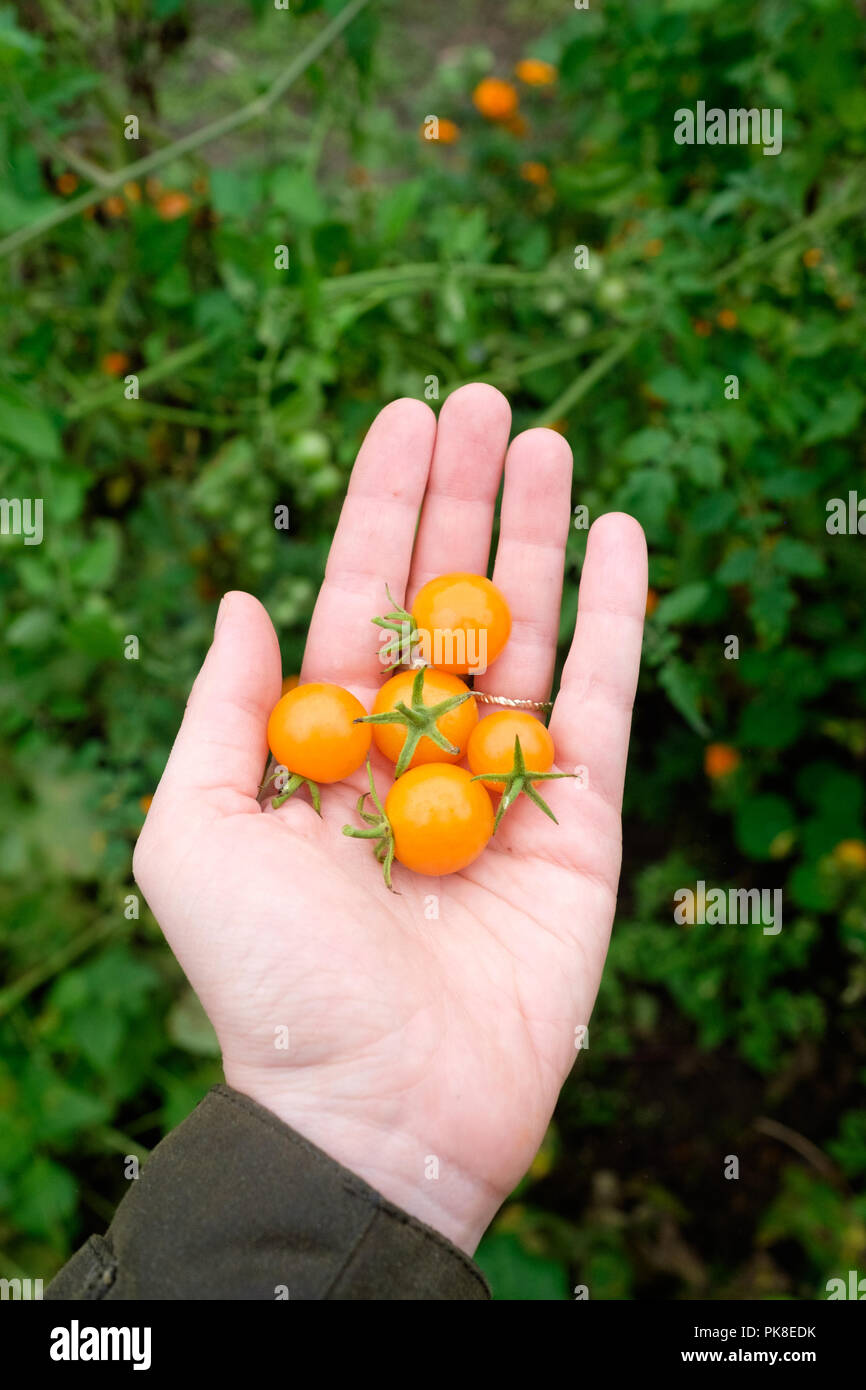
(235, 1205)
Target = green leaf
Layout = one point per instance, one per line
(714, 513)
(847, 661)
(839, 416)
(68, 490)
(515, 1274)
(294, 192)
(189, 1026)
(28, 429)
(95, 566)
(682, 686)
(98, 1033)
(770, 606)
(771, 722)
(677, 387)
(14, 39)
(704, 465)
(63, 1111)
(45, 1198)
(33, 628)
(397, 208)
(122, 978)
(691, 6)
(759, 822)
(810, 888)
(835, 790)
(684, 603)
(236, 192)
(796, 557)
(17, 212)
(174, 289)
(739, 565)
(95, 631)
(649, 446)
(789, 482)
(849, 1149)
(648, 493)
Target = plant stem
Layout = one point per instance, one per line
(196, 419)
(196, 138)
(32, 979)
(118, 1142)
(826, 216)
(598, 368)
(432, 272)
(175, 362)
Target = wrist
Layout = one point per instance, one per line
(378, 1145)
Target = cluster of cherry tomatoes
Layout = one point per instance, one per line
(438, 815)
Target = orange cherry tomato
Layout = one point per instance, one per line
(456, 725)
(311, 732)
(463, 622)
(440, 818)
(491, 744)
(495, 98)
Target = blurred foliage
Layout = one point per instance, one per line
(453, 259)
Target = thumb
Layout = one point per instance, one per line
(221, 748)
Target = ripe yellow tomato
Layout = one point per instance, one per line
(463, 622)
(491, 744)
(311, 732)
(456, 724)
(440, 818)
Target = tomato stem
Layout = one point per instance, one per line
(379, 829)
(419, 720)
(520, 779)
(295, 781)
(397, 621)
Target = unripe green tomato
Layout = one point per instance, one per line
(612, 292)
(310, 449)
(326, 482)
(576, 324)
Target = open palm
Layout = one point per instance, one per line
(421, 1038)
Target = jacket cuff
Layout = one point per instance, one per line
(233, 1204)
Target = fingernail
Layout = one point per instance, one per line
(221, 612)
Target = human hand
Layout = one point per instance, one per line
(411, 1036)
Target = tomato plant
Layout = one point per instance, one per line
(411, 257)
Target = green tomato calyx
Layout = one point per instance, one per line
(520, 779)
(378, 828)
(419, 720)
(406, 635)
